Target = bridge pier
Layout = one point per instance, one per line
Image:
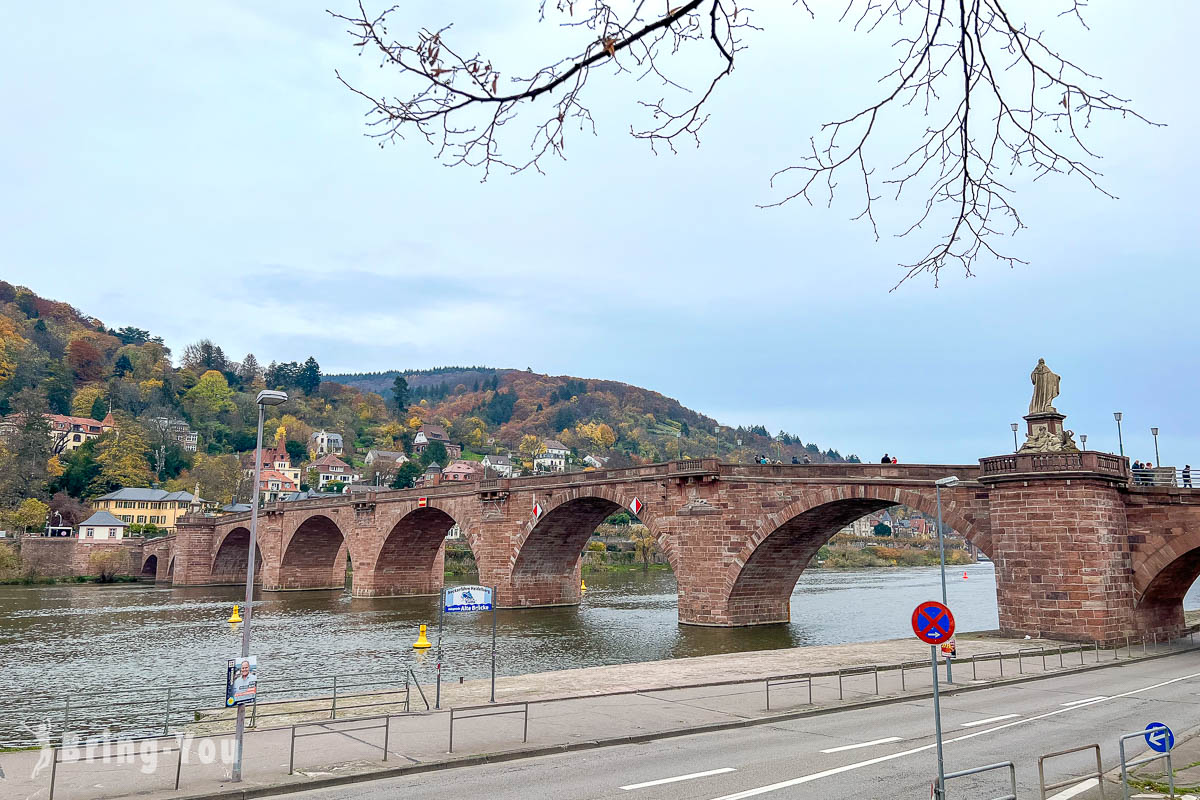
(1060, 546)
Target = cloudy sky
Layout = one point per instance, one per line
(196, 169)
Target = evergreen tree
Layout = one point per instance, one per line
(309, 376)
(249, 370)
(406, 474)
(400, 396)
(99, 408)
(435, 453)
(123, 366)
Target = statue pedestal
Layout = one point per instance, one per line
(1049, 421)
(1047, 435)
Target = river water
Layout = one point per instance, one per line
(55, 639)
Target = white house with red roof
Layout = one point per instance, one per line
(330, 468)
(273, 485)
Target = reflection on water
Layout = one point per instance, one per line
(58, 637)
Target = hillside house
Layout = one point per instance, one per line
(463, 471)
(330, 468)
(323, 443)
(500, 466)
(102, 525)
(428, 434)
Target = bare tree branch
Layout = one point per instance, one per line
(991, 96)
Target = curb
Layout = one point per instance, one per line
(272, 790)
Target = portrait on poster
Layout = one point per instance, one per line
(241, 680)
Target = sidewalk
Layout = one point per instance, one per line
(566, 709)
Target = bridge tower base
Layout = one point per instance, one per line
(1059, 542)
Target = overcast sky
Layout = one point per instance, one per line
(195, 169)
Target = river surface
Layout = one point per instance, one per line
(55, 639)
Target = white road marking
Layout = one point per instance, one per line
(879, 760)
(1079, 788)
(988, 720)
(862, 744)
(1087, 700)
(661, 781)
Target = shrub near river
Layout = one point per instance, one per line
(843, 558)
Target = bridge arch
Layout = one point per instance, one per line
(1162, 578)
(150, 566)
(545, 558)
(760, 580)
(410, 560)
(314, 556)
(229, 560)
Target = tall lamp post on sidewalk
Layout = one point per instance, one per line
(1154, 433)
(267, 397)
(1013, 425)
(1120, 441)
(947, 482)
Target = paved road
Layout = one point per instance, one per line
(882, 752)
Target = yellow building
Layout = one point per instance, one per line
(147, 506)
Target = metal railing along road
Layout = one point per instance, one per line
(1012, 778)
(327, 728)
(788, 680)
(489, 711)
(120, 750)
(150, 711)
(1125, 764)
(147, 710)
(1098, 775)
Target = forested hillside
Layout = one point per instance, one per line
(55, 359)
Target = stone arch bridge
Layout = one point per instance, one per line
(1079, 552)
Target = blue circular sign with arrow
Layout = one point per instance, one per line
(1159, 737)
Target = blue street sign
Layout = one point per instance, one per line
(1159, 737)
(467, 598)
(932, 622)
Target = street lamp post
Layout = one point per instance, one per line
(739, 444)
(1120, 441)
(1083, 439)
(1154, 433)
(717, 431)
(1013, 425)
(267, 397)
(938, 484)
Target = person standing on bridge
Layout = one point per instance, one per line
(1187, 476)
(886, 459)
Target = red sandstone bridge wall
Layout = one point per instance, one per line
(738, 536)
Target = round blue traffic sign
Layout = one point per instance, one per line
(1159, 737)
(932, 622)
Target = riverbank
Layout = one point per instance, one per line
(619, 707)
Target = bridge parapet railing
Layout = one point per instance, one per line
(1085, 461)
(1170, 477)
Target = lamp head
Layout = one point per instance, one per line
(270, 397)
(1013, 425)
(1117, 416)
(1154, 431)
(951, 480)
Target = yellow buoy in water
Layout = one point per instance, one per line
(582, 586)
(422, 641)
(235, 617)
